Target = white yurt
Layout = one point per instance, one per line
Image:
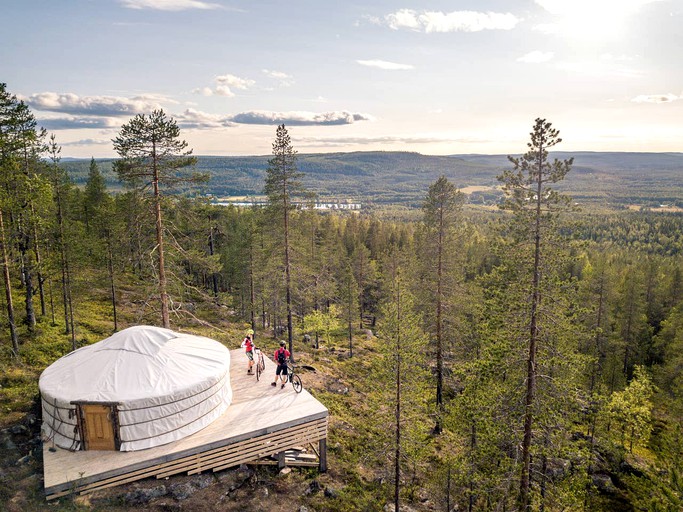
(142, 387)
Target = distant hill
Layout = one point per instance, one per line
(403, 177)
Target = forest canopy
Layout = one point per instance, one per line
(473, 357)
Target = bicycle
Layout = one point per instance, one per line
(260, 362)
(294, 378)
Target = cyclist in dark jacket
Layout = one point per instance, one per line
(281, 357)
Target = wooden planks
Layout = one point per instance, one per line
(262, 421)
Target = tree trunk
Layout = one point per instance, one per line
(110, 267)
(288, 280)
(165, 320)
(8, 291)
(439, 335)
(397, 448)
(214, 278)
(524, 496)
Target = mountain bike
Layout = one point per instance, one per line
(294, 378)
(260, 362)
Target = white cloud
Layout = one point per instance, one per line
(656, 98)
(204, 91)
(298, 118)
(169, 5)
(79, 123)
(391, 139)
(87, 142)
(383, 64)
(69, 103)
(456, 21)
(224, 85)
(198, 120)
(284, 79)
(536, 57)
(234, 81)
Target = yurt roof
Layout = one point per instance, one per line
(140, 362)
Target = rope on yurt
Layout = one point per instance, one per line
(219, 381)
(169, 431)
(174, 412)
(55, 428)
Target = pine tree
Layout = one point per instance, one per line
(152, 153)
(283, 183)
(535, 205)
(441, 209)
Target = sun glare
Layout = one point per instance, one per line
(590, 20)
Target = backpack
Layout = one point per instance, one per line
(281, 357)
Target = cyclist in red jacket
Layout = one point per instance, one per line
(248, 346)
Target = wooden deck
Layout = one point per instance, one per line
(262, 421)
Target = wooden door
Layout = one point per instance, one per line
(99, 427)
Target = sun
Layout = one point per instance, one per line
(590, 20)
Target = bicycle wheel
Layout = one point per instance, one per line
(296, 383)
(261, 362)
(258, 370)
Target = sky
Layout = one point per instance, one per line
(436, 77)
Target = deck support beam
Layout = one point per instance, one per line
(322, 455)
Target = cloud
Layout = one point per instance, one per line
(195, 119)
(383, 64)
(362, 141)
(656, 98)
(79, 123)
(284, 79)
(169, 5)
(87, 142)
(456, 21)
(536, 57)
(69, 103)
(299, 118)
(224, 85)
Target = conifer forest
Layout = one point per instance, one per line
(525, 355)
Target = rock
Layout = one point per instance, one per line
(303, 508)
(603, 483)
(18, 430)
(285, 471)
(265, 492)
(368, 334)
(144, 496)
(31, 419)
(313, 488)
(8, 444)
(203, 481)
(389, 507)
(330, 492)
(182, 491)
(557, 468)
(24, 460)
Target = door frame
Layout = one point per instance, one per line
(83, 429)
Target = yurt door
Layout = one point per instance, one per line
(98, 426)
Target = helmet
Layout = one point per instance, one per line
(250, 331)
(282, 343)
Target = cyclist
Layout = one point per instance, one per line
(248, 346)
(281, 357)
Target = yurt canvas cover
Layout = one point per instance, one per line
(142, 387)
